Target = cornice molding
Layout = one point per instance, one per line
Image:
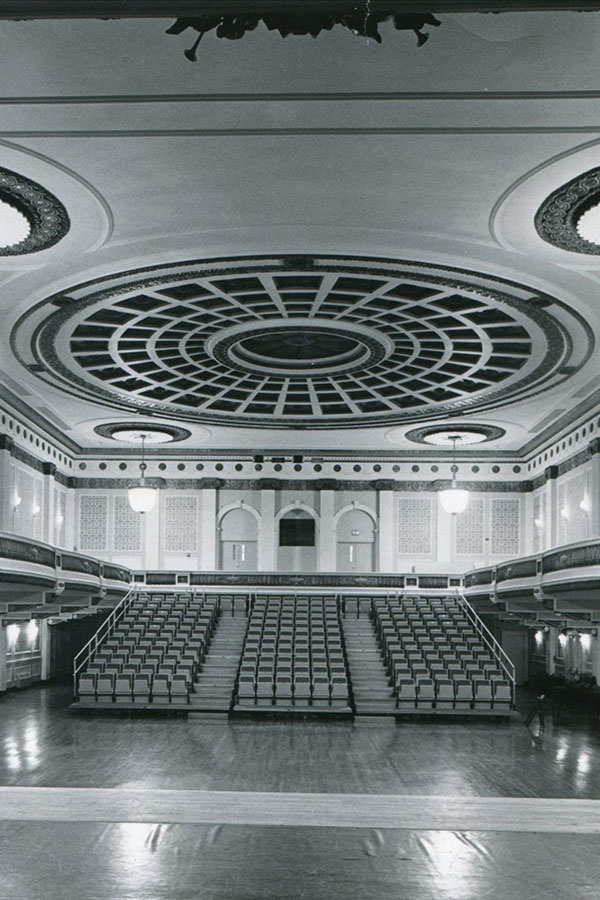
(284, 484)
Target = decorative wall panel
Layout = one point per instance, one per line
(505, 526)
(127, 527)
(38, 494)
(181, 524)
(539, 515)
(414, 526)
(562, 529)
(577, 523)
(93, 522)
(469, 531)
(60, 513)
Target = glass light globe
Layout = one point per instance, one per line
(142, 499)
(454, 500)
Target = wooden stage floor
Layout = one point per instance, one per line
(118, 808)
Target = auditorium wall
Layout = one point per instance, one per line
(359, 530)
(382, 513)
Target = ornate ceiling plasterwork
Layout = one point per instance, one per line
(47, 217)
(131, 432)
(299, 342)
(557, 218)
(467, 432)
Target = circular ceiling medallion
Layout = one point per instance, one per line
(297, 342)
(465, 432)
(132, 432)
(569, 219)
(31, 218)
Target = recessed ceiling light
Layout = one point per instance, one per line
(14, 226)
(444, 438)
(588, 225)
(135, 437)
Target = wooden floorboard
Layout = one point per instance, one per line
(516, 814)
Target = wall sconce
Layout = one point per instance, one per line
(565, 512)
(36, 509)
(562, 639)
(59, 520)
(539, 637)
(17, 501)
(12, 634)
(539, 523)
(32, 631)
(585, 505)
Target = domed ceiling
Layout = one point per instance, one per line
(293, 342)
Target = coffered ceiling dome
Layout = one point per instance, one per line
(301, 342)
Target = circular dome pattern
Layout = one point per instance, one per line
(46, 216)
(295, 342)
(558, 219)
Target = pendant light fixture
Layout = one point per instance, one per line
(141, 497)
(454, 499)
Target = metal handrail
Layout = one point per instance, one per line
(503, 658)
(105, 629)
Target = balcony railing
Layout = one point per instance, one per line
(539, 569)
(23, 555)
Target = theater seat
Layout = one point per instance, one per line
(502, 695)
(463, 693)
(444, 698)
(320, 690)
(87, 686)
(180, 690)
(407, 694)
(142, 684)
(425, 693)
(246, 690)
(483, 695)
(301, 690)
(160, 688)
(264, 690)
(124, 687)
(105, 687)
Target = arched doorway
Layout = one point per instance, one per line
(355, 541)
(239, 541)
(297, 542)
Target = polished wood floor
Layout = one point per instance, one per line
(145, 809)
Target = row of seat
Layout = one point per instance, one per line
(445, 693)
(301, 691)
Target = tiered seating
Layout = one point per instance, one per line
(293, 656)
(154, 652)
(436, 659)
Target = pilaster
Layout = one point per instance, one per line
(208, 530)
(267, 558)
(386, 534)
(327, 534)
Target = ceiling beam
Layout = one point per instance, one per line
(170, 9)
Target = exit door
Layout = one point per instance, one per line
(239, 556)
(354, 557)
